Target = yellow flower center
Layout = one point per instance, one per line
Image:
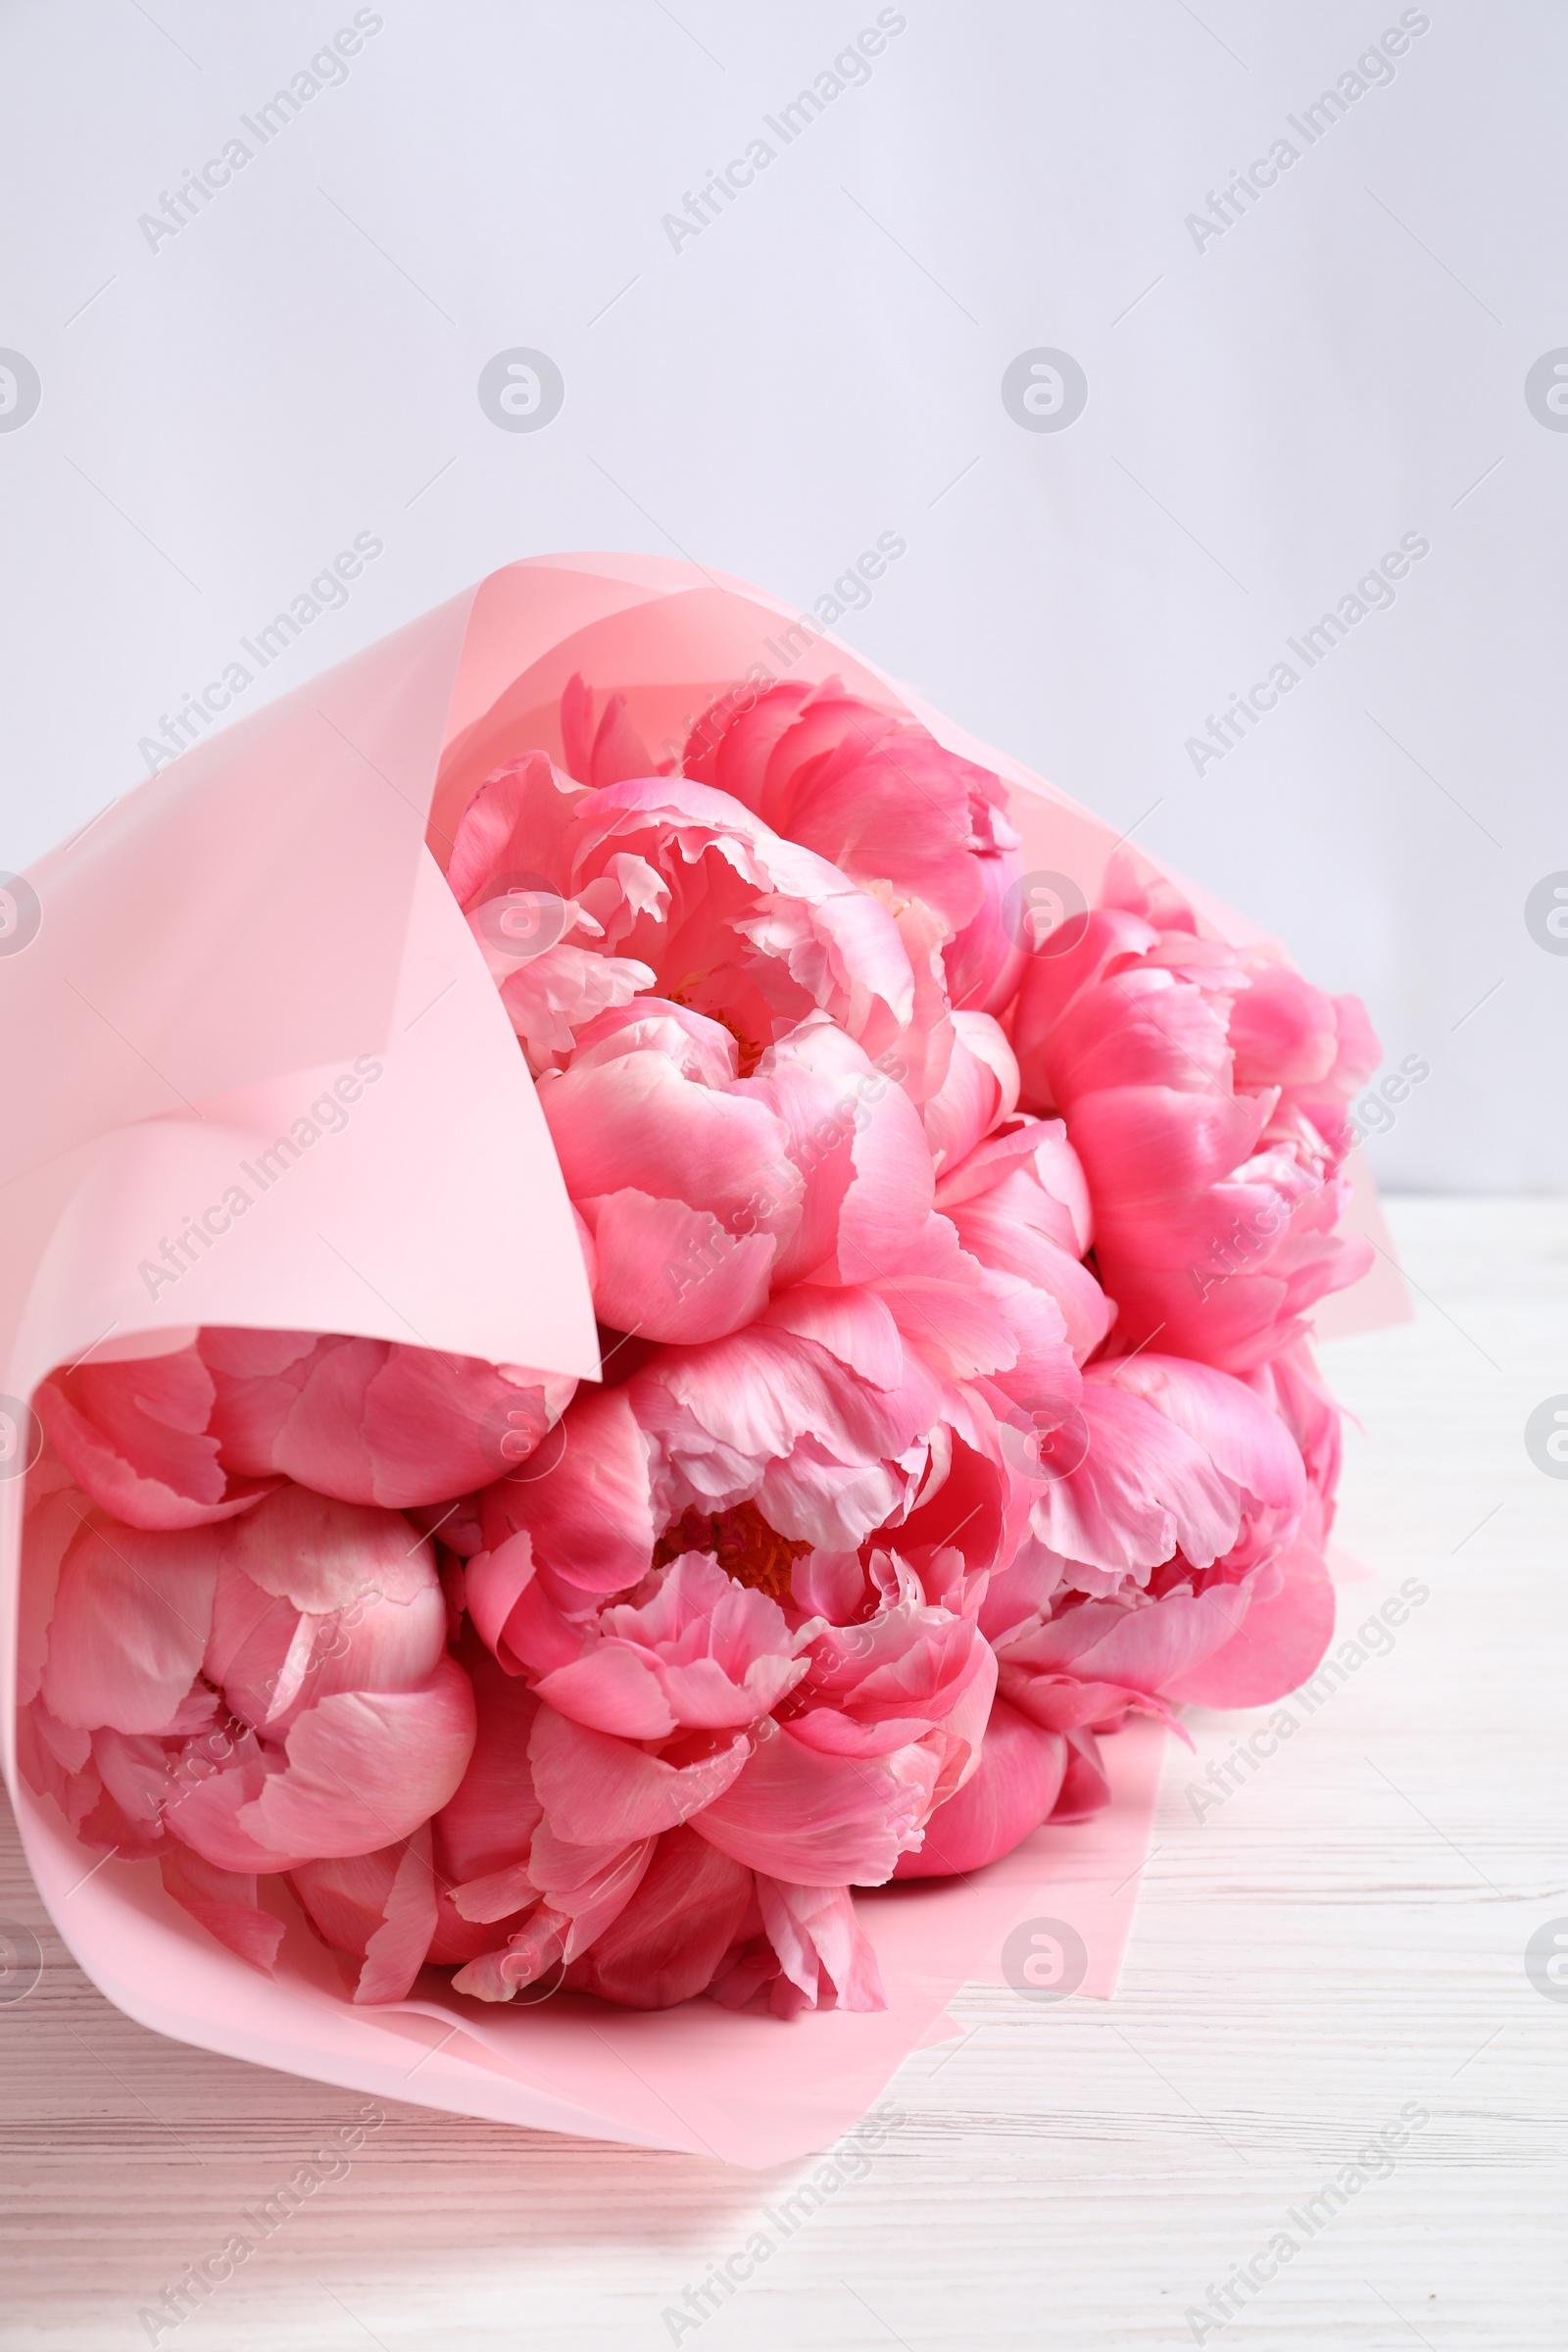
(745, 1548)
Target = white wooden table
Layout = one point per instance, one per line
(1342, 1938)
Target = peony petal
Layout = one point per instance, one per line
(1142, 1649)
(131, 1625)
(1085, 1786)
(1011, 1792)
(396, 1951)
(345, 1898)
(515, 822)
(441, 1425)
(666, 1944)
(493, 1584)
(1279, 1642)
(607, 754)
(224, 1902)
(825, 1957)
(635, 1123)
(1283, 1032)
(191, 1492)
(362, 1769)
(599, 1791)
(854, 1325)
(596, 1891)
(670, 1272)
(1143, 1489)
(588, 1514)
(489, 1821)
(818, 1819)
(980, 1088)
(533, 1952)
(612, 1689)
(1244, 1439)
(141, 1781)
(321, 1556)
(52, 1524)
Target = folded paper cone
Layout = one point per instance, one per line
(264, 927)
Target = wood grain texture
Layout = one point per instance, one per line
(1343, 1935)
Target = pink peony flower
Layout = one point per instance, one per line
(137, 1438)
(1159, 1563)
(807, 1754)
(189, 1439)
(879, 797)
(690, 896)
(1203, 1090)
(699, 1654)
(264, 1692)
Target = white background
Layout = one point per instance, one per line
(1266, 416)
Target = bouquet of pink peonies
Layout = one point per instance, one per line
(955, 1401)
(950, 1225)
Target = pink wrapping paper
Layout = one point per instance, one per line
(214, 950)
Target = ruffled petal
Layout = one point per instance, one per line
(148, 1472)
(666, 1943)
(1286, 1627)
(819, 1820)
(589, 1514)
(130, 1626)
(825, 1959)
(670, 1272)
(1143, 1491)
(224, 1902)
(359, 1771)
(600, 1791)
